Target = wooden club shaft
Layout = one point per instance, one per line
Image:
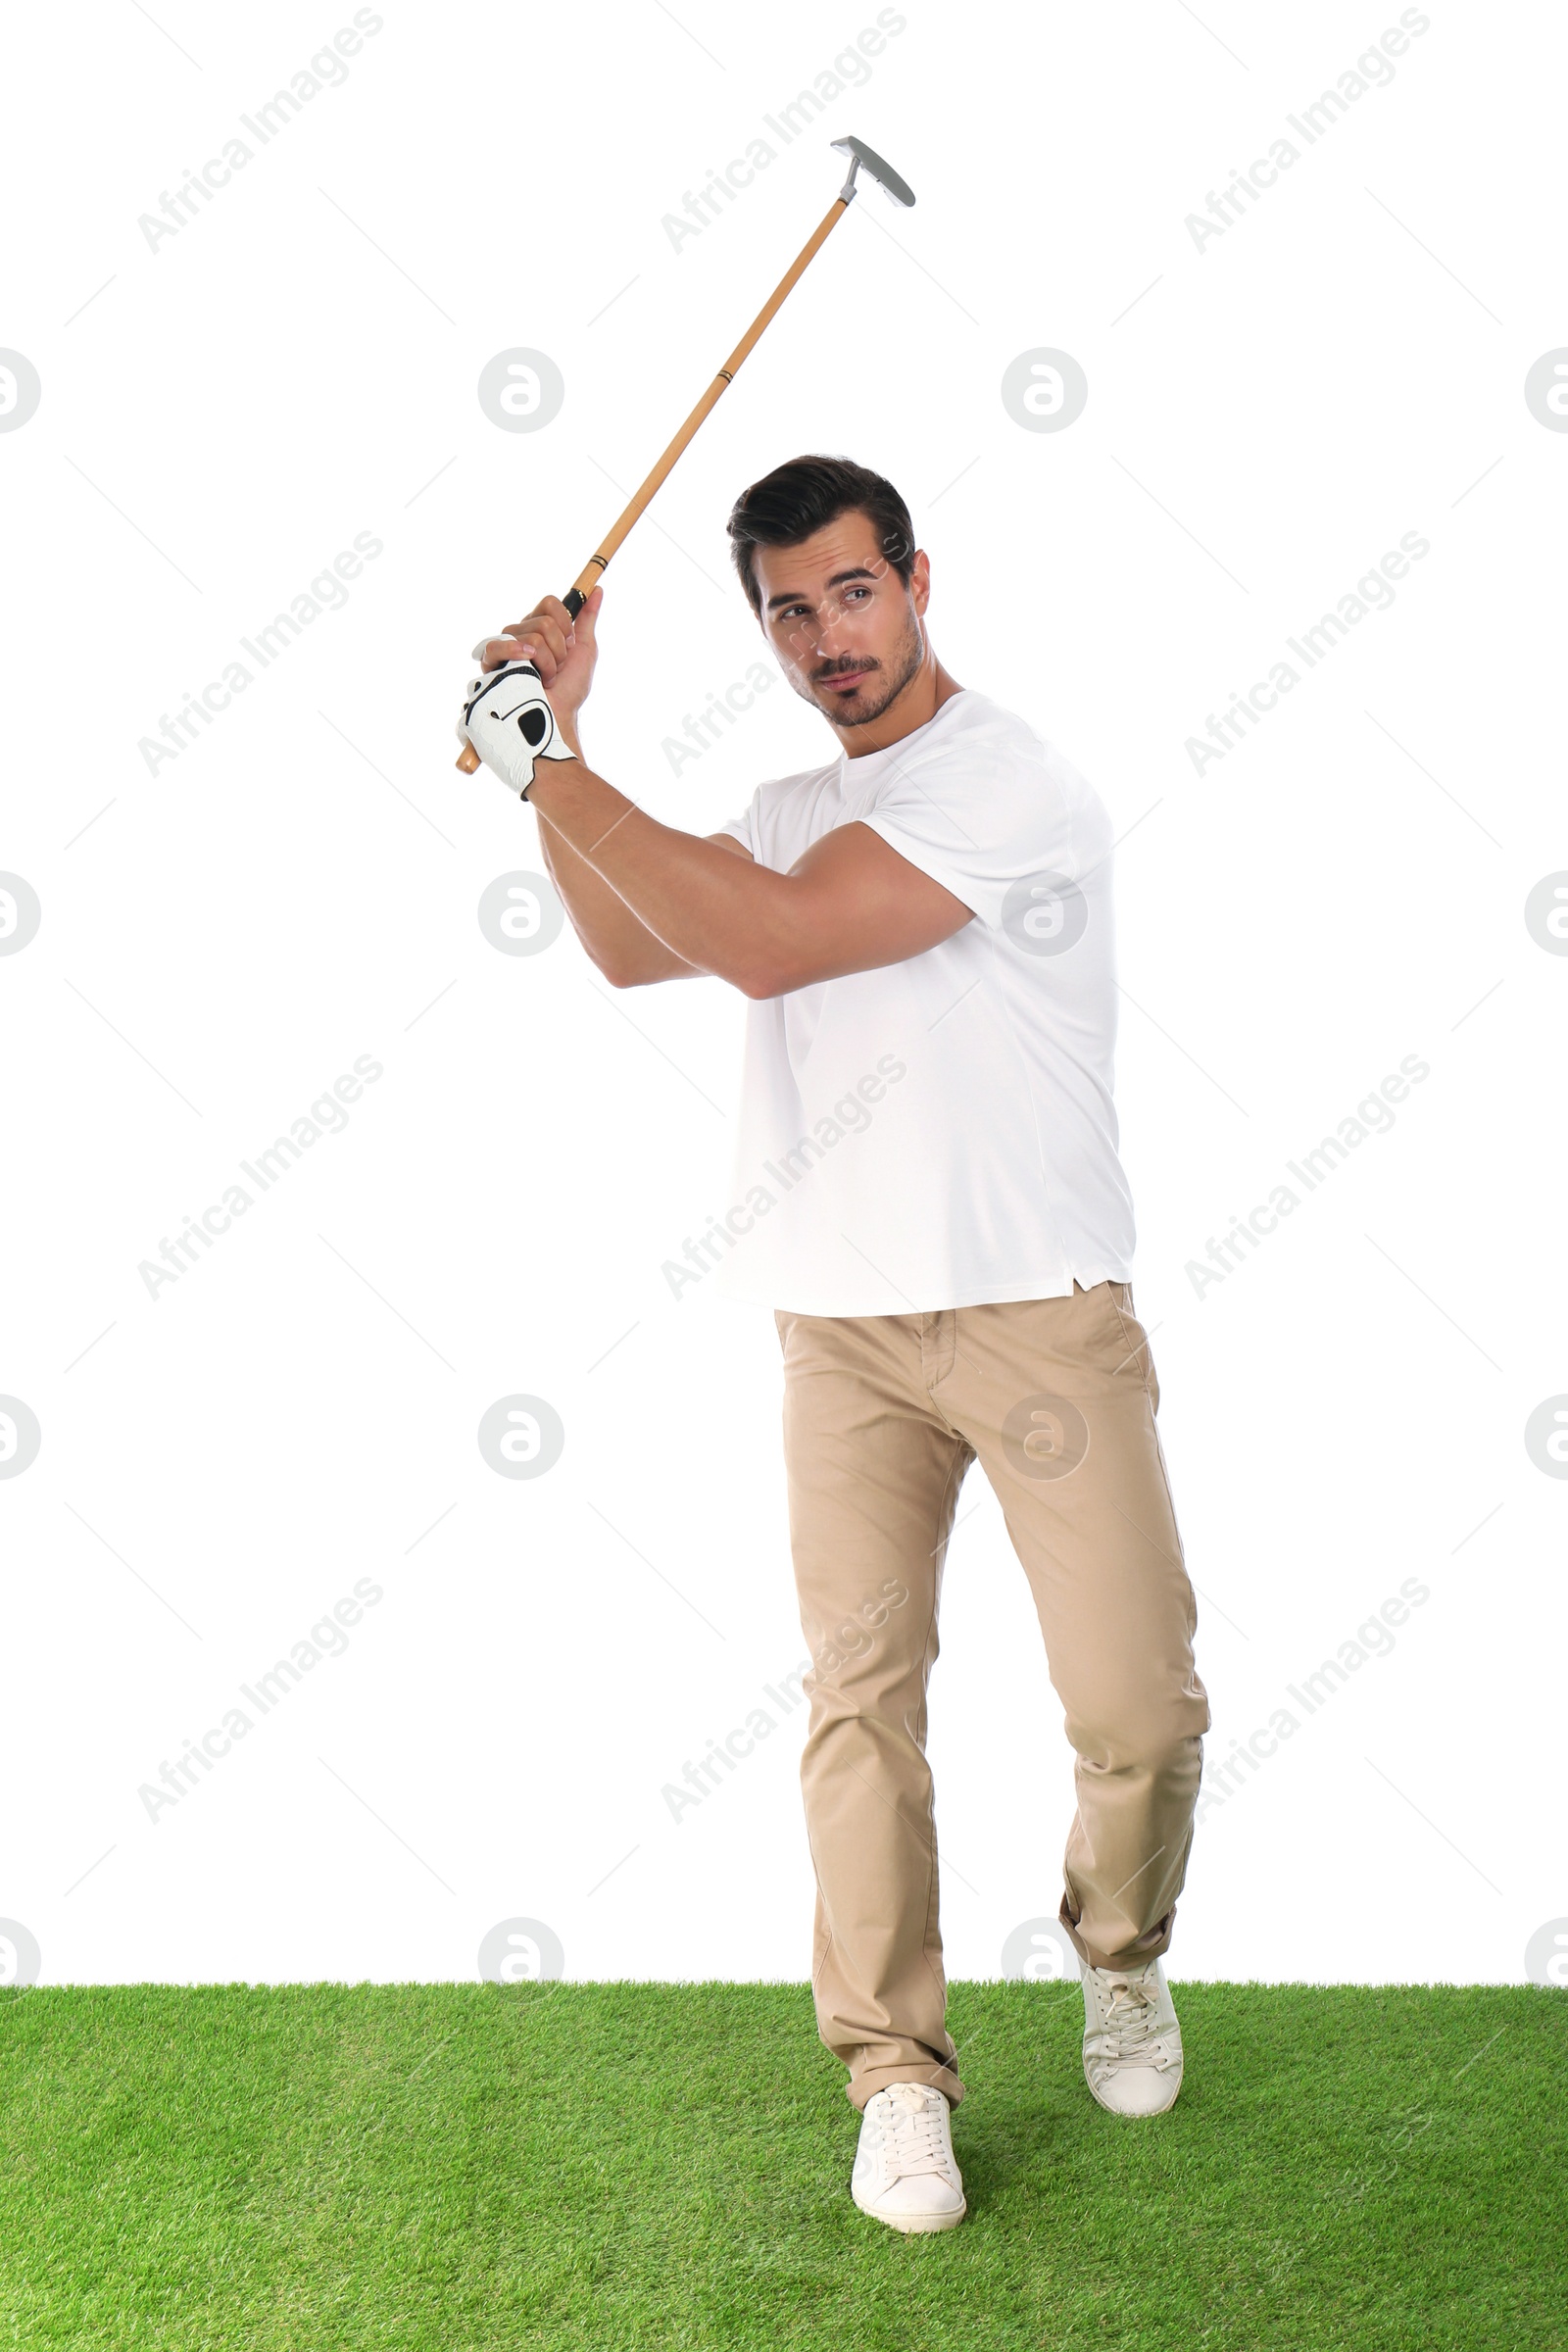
(593, 570)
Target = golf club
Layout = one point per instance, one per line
(862, 158)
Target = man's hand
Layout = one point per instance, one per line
(507, 720)
(561, 648)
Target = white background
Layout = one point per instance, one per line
(1266, 417)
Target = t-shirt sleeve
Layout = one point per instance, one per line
(983, 816)
(744, 826)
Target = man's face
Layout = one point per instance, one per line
(846, 629)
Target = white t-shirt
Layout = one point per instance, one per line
(938, 1132)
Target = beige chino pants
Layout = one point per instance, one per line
(883, 1415)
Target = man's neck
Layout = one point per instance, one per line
(918, 701)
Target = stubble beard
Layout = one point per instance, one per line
(908, 659)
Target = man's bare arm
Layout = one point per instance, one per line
(613, 935)
(652, 902)
(850, 903)
(613, 938)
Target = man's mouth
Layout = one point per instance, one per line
(845, 681)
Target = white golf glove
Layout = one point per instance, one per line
(507, 720)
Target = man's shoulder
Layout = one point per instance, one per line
(972, 715)
(971, 733)
(1007, 743)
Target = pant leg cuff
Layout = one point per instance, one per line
(1150, 1946)
(865, 2084)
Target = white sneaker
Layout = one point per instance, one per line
(905, 2172)
(1132, 2043)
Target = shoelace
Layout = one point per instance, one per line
(911, 2134)
(1125, 2034)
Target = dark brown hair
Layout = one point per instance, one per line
(802, 494)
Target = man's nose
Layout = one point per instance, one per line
(832, 634)
(807, 638)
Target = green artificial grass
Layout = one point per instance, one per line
(468, 2168)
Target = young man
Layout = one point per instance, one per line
(928, 1194)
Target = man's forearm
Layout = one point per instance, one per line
(650, 901)
(615, 938)
(709, 910)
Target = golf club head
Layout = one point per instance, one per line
(866, 159)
